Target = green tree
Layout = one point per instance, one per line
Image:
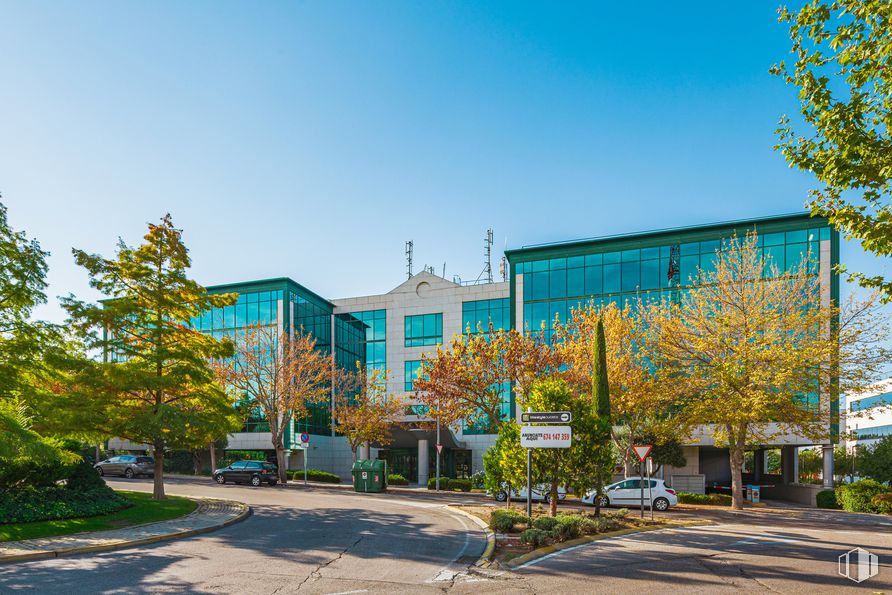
(752, 345)
(23, 271)
(841, 70)
(876, 462)
(846, 462)
(602, 455)
(155, 385)
(504, 463)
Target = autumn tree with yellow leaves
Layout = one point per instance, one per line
(757, 353)
(364, 412)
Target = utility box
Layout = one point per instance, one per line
(369, 476)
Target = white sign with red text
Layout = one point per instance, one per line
(546, 436)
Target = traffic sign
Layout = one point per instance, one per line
(546, 436)
(546, 417)
(642, 450)
(304, 437)
(439, 448)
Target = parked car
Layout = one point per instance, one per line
(628, 493)
(540, 493)
(126, 465)
(253, 472)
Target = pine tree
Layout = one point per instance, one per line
(155, 384)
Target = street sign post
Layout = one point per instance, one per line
(546, 436)
(543, 437)
(546, 417)
(305, 444)
(642, 450)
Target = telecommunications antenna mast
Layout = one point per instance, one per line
(409, 246)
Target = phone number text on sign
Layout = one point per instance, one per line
(546, 436)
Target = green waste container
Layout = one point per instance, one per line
(369, 476)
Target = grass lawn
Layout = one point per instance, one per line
(144, 510)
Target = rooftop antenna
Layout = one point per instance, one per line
(444, 269)
(409, 246)
(503, 268)
(487, 255)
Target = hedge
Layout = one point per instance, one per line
(564, 527)
(504, 521)
(826, 499)
(315, 475)
(444, 483)
(710, 499)
(32, 504)
(397, 480)
(463, 485)
(858, 496)
(882, 503)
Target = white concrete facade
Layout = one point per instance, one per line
(867, 417)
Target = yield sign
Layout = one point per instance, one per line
(642, 450)
(439, 448)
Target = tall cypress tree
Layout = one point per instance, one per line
(600, 385)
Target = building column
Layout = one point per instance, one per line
(423, 462)
(758, 464)
(827, 474)
(364, 451)
(795, 468)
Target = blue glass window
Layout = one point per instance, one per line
(424, 329)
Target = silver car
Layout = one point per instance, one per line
(126, 465)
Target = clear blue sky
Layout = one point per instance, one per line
(311, 139)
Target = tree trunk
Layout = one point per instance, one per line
(213, 449)
(158, 488)
(735, 454)
(554, 497)
(281, 463)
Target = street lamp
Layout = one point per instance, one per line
(439, 446)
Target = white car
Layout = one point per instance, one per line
(628, 493)
(541, 493)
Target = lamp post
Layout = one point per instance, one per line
(439, 446)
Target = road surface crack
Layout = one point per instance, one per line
(316, 574)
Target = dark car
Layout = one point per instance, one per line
(126, 465)
(253, 472)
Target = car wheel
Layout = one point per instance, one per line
(101, 472)
(255, 481)
(219, 478)
(128, 473)
(661, 504)
(501, 496)
(605, 502)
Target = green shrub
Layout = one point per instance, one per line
(545, 523)
(444, 483)
(535, 537)
(463, 485)
(709, 499)
(395, 479)
(315, 475)
(28, 505)
(503, 521)
(569, 526)
(83, 477)
(882, 503)
(588, 526)
(478, 480)
(608, 523)
(826, 499)
(617, 514)
(858, 496)
(25, 472)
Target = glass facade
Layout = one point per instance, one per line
(871, 402)
(484, 312)
(659, 265)
(620, 273)
(412, 367)
(367, 339)
(424, 329)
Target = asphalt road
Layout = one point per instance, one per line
(325, 540)
(303, 540)
(795, 551)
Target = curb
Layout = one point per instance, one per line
(536, 554)
(245, 513)
(484, 560)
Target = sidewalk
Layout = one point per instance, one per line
(208, 516)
